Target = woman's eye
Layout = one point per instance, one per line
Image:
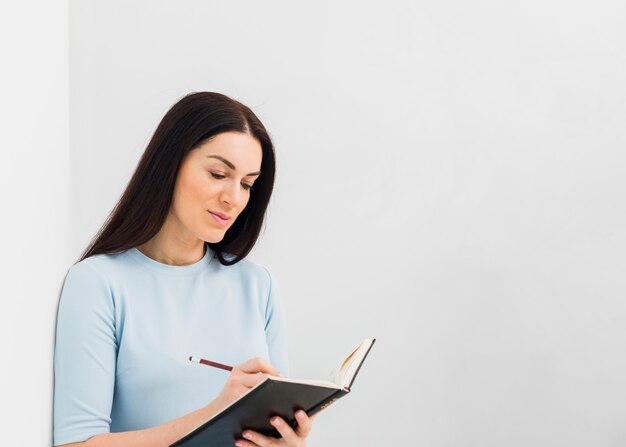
(246, 186)
(217, 176)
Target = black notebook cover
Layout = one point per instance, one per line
(254, 410)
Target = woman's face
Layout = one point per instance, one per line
(213, 185)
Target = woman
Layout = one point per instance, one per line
(166, 278)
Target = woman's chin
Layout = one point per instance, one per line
(214, 237)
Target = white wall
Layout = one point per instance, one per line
(34, 220)
(451, 181)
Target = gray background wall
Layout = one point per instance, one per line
(34, 210)
(450, 181)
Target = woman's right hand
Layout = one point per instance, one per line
(242, 378)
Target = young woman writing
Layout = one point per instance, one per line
(166, 278)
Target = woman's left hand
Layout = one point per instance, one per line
(290, 437)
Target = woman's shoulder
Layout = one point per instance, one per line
(101, 266)
(112, 267)
(251, 271)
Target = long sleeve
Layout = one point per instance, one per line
(127, 325)
(276, 330)
(84, 357)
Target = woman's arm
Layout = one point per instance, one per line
(159, 436)
(241, 379)
(276, 328)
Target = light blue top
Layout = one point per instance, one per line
(127, 325)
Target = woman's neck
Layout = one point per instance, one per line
(171, 247)
(170, 258)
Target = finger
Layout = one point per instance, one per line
(244, 443)
(258, 364)
(285, 430)
(252, 380)
(259, 439)
(304, 423)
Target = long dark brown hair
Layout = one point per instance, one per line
(142, 209)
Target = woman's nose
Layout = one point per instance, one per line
(231, 194)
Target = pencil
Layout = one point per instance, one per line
(210, 363)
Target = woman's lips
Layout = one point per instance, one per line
(220, 218)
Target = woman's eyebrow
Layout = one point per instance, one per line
(230, 165)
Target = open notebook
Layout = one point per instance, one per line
(276, 396)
